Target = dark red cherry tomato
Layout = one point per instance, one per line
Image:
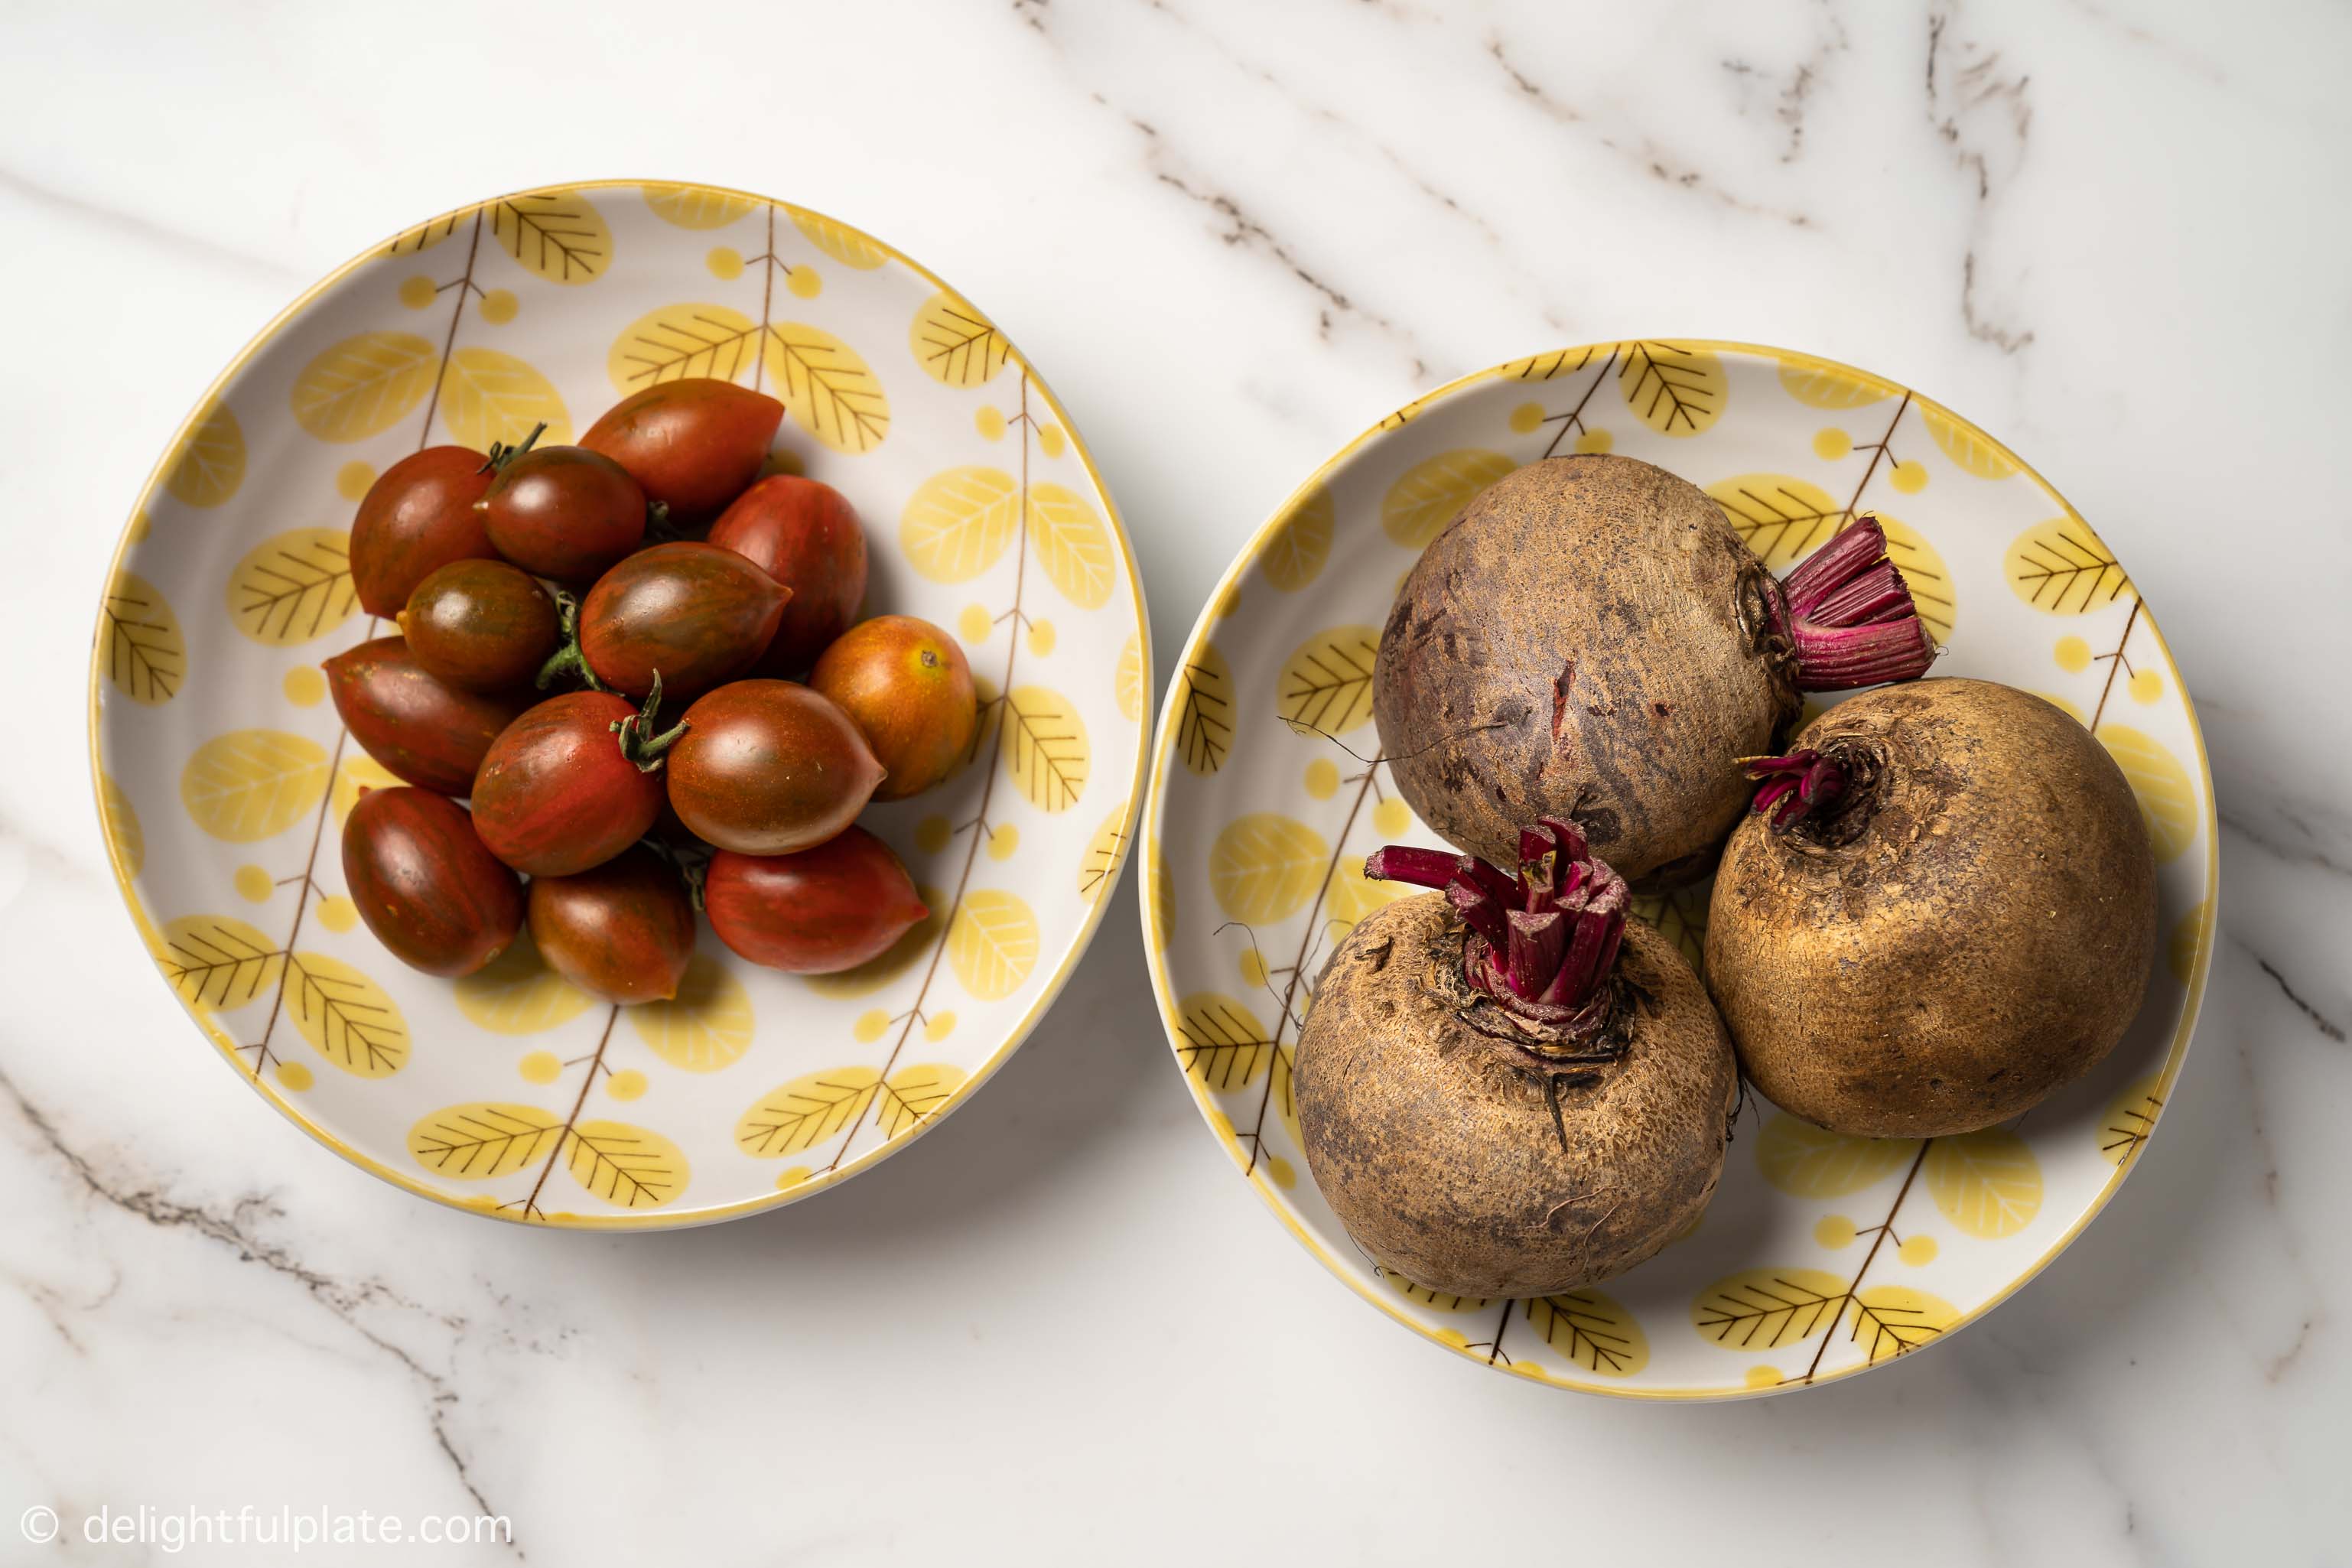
(814, 912)
(698, 614)
(558, 792)
(907, 684)
(766, 767)
(481, 624)
(563, 512)
(425, 730)
(623, 931)
(419, 515)
(805, 536)
(424, 884)
(693, 444)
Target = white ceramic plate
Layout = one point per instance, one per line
(223, 775)
(1820, 1256)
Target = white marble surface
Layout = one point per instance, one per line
(1231, 233)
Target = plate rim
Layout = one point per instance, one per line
(1150, 872)
(687, 1219)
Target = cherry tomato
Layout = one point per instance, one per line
(428, 732)
(698, 614)
(563, 512)
(481, 624)
(804, 536)
(623, 931)
(905, 683)
(814, 912)
(693, 444)
(766, 767)
(558, 792)
(419, 515)
(424, 884)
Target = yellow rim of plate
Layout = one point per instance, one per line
(1155, 953)
(684, 1219)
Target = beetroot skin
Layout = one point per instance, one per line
(1590, 641)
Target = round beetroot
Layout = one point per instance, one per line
(693, 444)
(560, 791)
(805, 536)
(623, 931)
(423, 728)
(481, 624)
(814, 912)
(697, 614)
(424, 883)
(766, 767)
(417, 515)
(563, 512)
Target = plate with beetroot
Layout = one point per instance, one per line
(622, 706)
(1679, 870)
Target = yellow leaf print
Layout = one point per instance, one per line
(1163, 899)
(347, 1018)
(293, 588)
(146, 656)
(252, 784)
(488, 397)
(1264, 866)
(217, 964)
(632, 1167)
(364, 386)
(1072, 545)
(358, 771)
(1044, 742)
(695, 206)
(826, 388)
(958, 522)
(913, 1095)
(1780, 517)
(706, 1027)
(1099, 868)
(425, 236)
(1593, 1331)
(1818, 385)
(1925, 573)
(1204, 711)
(888, 965)
(838, 240)
(1221, 1044)
(122, 830)
(1129, 678)
(1891, 1318)
(1966, 447)
(1326, 684)
(1301, 542)
(992, 944)
(482, 1139)
(556, 233)
(211, 465)
(1551, 366)
(1674, 390)
(1807, 1161)
(2188, 937)
(1426, 498)
(1987, 1183)
(1681, 917)
(2062, 567)
(680, 340)
(1435, 1300)
(2167, 801)
(1767, 1309)
(796, 1117)
(2130, 1118)
(517, 993)
(1351, 895)
(955, 344)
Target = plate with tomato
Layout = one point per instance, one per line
(622, 706)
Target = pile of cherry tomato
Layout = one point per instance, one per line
(635, 658)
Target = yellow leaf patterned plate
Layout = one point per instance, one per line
(1821, 1256)
(223, 777)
